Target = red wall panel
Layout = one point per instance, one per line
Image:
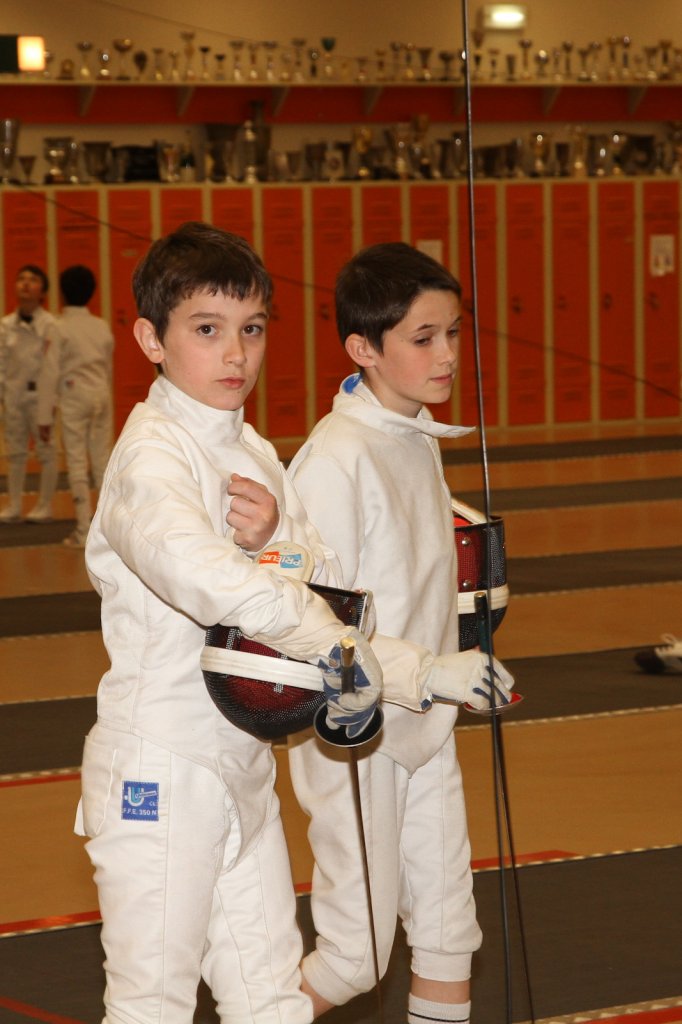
(25, 241)
(179, 205)
(571, 302)
(661, 298)
(485, 217)
(525, 304)
(381, 215)
(285, 359)
(129, 239)
(616, 216)
(332, 219)
(78, 234)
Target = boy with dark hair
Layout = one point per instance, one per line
(81, 362)
(178, 804)
(372, 480)
(26, 336)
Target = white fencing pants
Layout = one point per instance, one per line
(419, 865)
(177, 902)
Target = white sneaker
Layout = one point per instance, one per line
(667, 658)
(39, 514)
(10, 515)
(75, 540)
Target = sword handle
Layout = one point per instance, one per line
(347, 646)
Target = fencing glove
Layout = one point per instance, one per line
(465, 678)
(352, 711)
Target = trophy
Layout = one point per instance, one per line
(84, 72)
(617, 143)
(140, 60)
(168, 161)
(237, 48)
(514, 158)
(297, 72)
(123, 47)
(362, 138)
(9, 135)
(540, 148)
(26, 163)
(97, 159)
(104, 72)
(598, 153)
(328, 44)
(398, 137)
(446, 57)
(525, 45)
(270, 45)
(204, 74)
(579, 162)
(254, 73)
(56, 151)
(424, 58)
(188, 51)
(73, 154)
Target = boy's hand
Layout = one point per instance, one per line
(465, 678)
(352, 711)
(253, 514)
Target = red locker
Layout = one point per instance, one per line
(381, 214)
(616, 206)
(571, 301)
(430, 231)
(661, 299)
(129, 238)
(78, 234)
(485, 217)
(179, 205)
(25, 228)
(525, 304)
(232, 210)
(430, 219)
(285, 359)
(332, 218)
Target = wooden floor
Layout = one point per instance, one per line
(584, 785)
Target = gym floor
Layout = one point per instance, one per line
(593, 755)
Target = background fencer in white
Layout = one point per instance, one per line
(372, 480)
(183, 824)
(25, 336)
(83, 358)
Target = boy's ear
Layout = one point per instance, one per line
(359, 349)
(145, 336)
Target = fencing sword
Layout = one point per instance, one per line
(338, 738)
(483, 601)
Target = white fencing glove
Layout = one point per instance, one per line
(465, 678)
(352, 711)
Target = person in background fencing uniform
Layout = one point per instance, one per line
(83, 365)
(25, 337)
(371, 478)
(183, 822)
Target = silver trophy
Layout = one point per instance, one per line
(56, 149)
(9, 135)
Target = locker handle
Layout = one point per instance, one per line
(516, 305)
(607, 300)
(653, 300)
(324, 311)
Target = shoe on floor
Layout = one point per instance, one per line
(39, 515)
(10, 515)
(74, 540)
(666, 658)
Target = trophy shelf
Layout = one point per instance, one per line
(120, 102)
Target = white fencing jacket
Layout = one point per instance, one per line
(372, 483)
(163, 560)
(23, 347)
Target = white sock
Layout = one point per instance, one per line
(423, 1011)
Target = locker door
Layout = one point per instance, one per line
(381, 214)
(25, 241)
(285, 359)
(571, 301)
(332, 239)
(129, 214)
(179, 204)
(485, 215)
(525, 304)
(430, 232)
(661, 299)
(616, 205)
(78, 235)
(232, 210)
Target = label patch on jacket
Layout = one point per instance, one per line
(140, 801)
